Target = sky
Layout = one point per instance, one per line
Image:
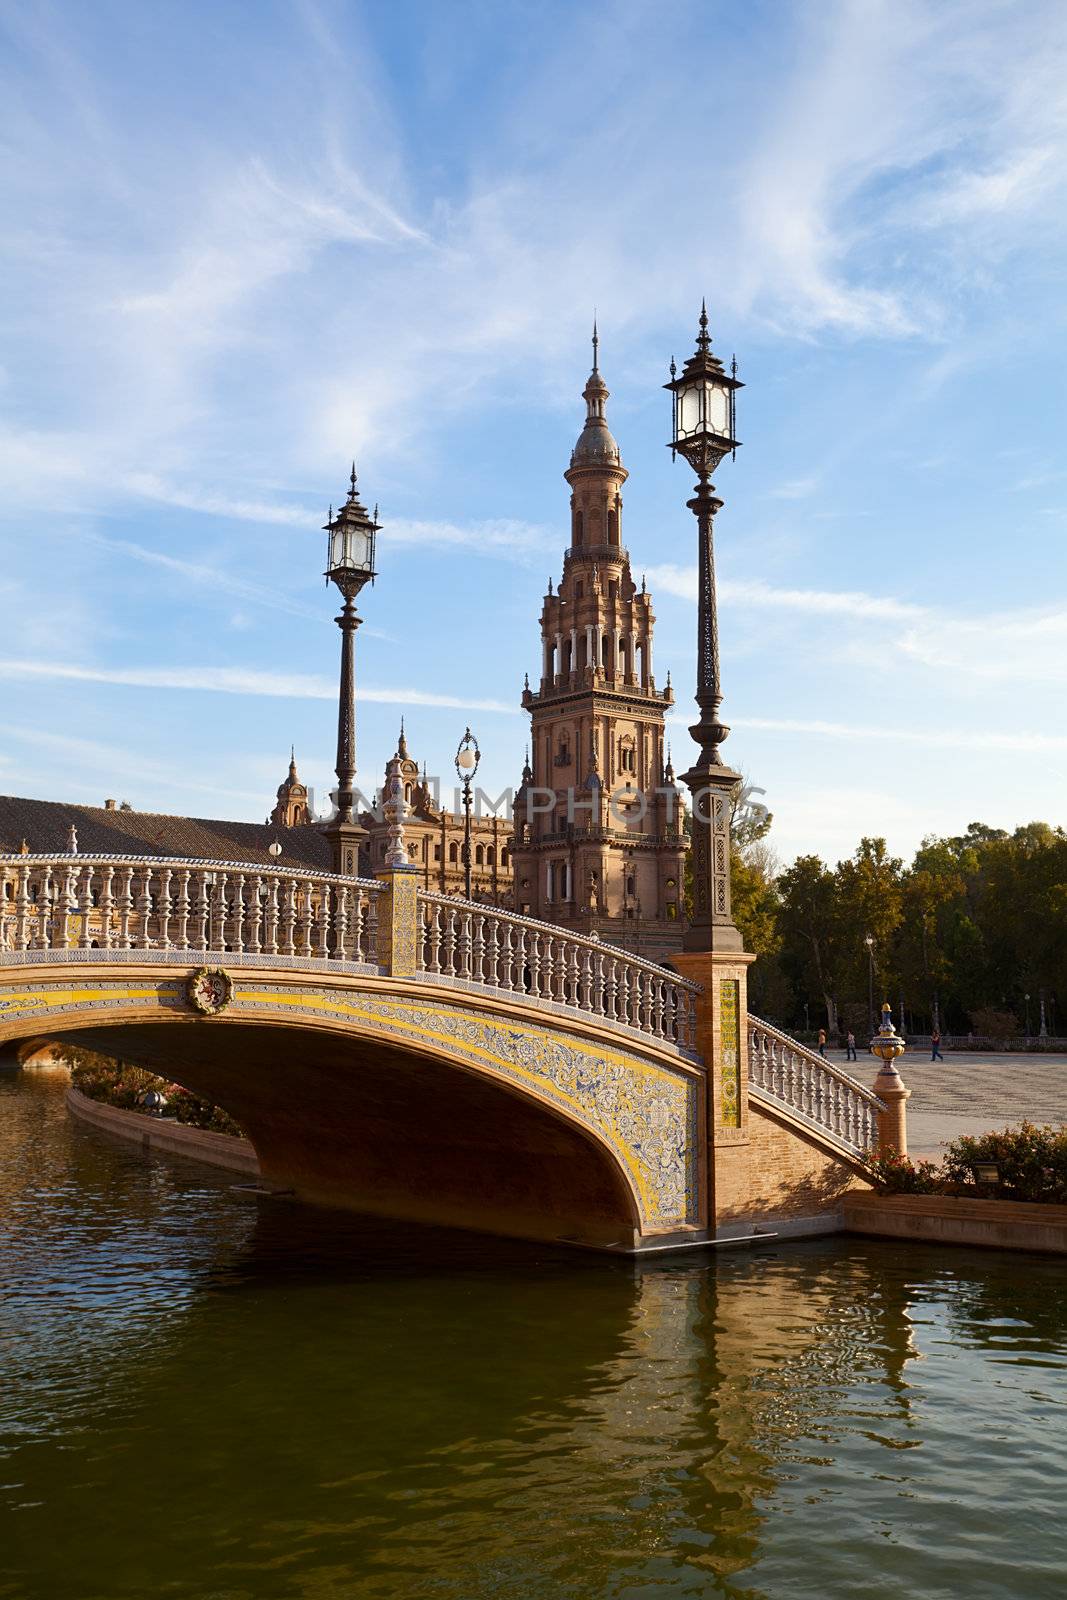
(242, 244)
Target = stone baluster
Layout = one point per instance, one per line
(107, 903)
(182, 936)
(598, 983)
(493, 974)
(357, 947)
(585, 978)
(307, 920)
(530, 962)
(548, 966)
(323, 904)
(288, 917)
(451, 940)
(237, 936)
(270, 917)
(22, 925)
(45, 915)
(255, 914)
(144, 910)
(340, 924)
(164, 908)
(203, 909)
(69, 906)
(222, 908)
(434, 951)
(464, 945)
(85, 897)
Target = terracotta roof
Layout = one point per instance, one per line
(45, 825)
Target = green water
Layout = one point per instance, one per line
(202, 1395)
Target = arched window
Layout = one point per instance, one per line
(479, 856)
(407, 794)
(613, 527)
(504, 856)
(579, 527)
(453, 853)
(490, 856)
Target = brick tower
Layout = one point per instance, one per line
(598, 842)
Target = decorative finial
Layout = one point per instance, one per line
(550, 585)
(674, 369)
(527, 770)
(596, 343)
(352, 481)
(703, 337)
(72, 841)
(402, 744)
(644, 590)
(733, 366)
(526, 681)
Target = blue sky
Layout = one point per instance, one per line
(245, 242)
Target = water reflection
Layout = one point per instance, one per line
(206, 1396)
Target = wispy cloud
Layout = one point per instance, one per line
(239, 681)
(1021, 645)
(796, 489)
(950, 738)
(755, 593)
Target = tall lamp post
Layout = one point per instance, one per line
(467, 758)
(349, 564)
(704, 400)
(869, 942)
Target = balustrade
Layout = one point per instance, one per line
(494, 949)
(83, 903)
(812, 1088)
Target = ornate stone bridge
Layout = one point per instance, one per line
(430, 1058)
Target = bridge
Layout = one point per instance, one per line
(439, 1060)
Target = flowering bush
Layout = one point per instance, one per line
(895, 1174)
(117, 1083)
(1032, 1161)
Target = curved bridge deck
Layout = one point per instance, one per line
(392, 986)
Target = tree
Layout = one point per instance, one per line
(810, 931)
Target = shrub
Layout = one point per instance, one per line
(1032, 1161)
(989, 1023)
(896, 1174)
(117, 1083)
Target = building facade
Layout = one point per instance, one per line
(598, 838)
(433, 838)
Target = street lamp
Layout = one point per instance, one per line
(349, 564)
(467, 758)
(703, 433)
(869, 942)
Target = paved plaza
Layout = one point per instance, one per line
(976, 1093)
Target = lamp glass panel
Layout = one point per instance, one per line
(689, 408)
(718, 412)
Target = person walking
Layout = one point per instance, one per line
(822, 1041)
(935, 1046)
(850, 1047)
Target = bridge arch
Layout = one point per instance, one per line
(406, 1099)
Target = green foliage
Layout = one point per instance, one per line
(895, 1174)
(118, 1083)
(1032, 1165)
(1032, 1162)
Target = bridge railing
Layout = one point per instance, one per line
(482, 946)
(813, 1089)
(72, 903)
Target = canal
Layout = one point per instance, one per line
(205, 1395)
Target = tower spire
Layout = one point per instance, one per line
(596, 345)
